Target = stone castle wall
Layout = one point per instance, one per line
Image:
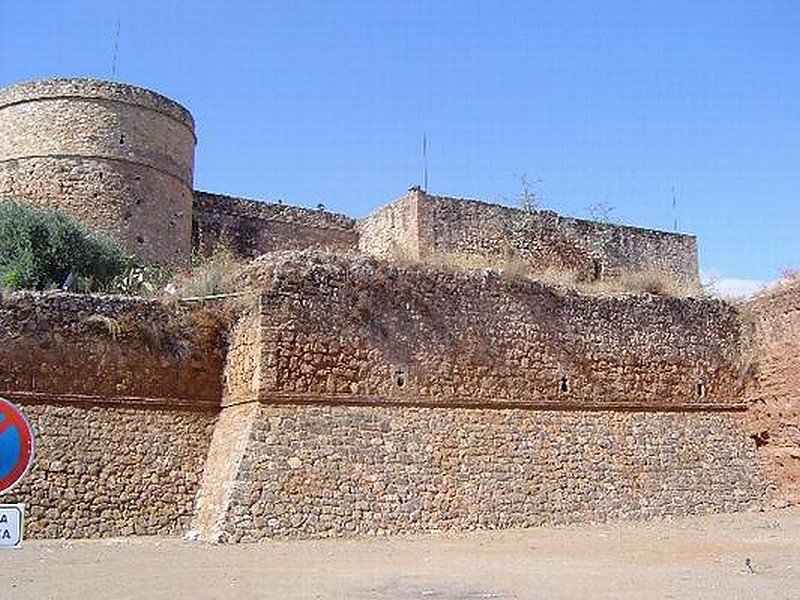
(123, 396)
(424, 226)
(392, 231)
(346, 327)
(331, 470)
(381, 399)
(117, 157)
(361, 397)
(251, 227)
(120, 158)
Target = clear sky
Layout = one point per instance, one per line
(614, 102)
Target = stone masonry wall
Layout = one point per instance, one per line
(546, 239)
(117, 157)
(251, 227)
(102, 470)
(341, 328)
(107, 348)
(311, 471)
(123, 395)
(402, 399)
(422, 226)
(392, 231)
(774, 396)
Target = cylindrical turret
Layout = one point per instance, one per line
(117, 157)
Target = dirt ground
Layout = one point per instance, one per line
(682, 558)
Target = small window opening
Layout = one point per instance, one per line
(701, 389)
(598, 269)
(761, 439)
(140, 239)
(563, 386)
(400, 376)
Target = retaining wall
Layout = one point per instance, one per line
(380, 399)
(123, 396)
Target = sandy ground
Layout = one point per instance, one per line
(682, 558)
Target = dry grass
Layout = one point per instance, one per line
(106, 325)
(210, 275)
(645, 282)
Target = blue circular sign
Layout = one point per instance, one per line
(16, 445)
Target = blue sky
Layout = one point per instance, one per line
(611, 102)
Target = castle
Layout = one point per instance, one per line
(120, 158)
(355, 394)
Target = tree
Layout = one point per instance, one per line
(42, 249)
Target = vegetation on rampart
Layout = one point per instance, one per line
(43, 249)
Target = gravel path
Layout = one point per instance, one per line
(681, 558)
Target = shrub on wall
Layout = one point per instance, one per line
(42, 249)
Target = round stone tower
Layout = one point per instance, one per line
(117, 157)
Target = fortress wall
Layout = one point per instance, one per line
(328, 470)
(426, 227)
(546, 240)
(123, 395)
(346, 327)
(251, 227)
(392, 231)
(112, 470)
(480, 433)
(117, 157)
(774, 397)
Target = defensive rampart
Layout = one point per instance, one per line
(123, 395)
(370, 399)
(253, 227)
(424, 226)
(359, 397)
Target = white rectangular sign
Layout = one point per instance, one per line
(12, 517)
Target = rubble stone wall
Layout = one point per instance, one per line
(123, 395)
(392, 231)
(548, 240)
(112, 470)
(407, 399)
(362, 328)
(250, 227)
(426, 227)
(315, 471)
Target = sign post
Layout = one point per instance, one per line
(16, 454)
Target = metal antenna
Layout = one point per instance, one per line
(116, 47)
(674, 210)
(424, 161)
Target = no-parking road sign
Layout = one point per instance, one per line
(16, 445)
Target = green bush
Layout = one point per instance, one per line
(39, 248)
